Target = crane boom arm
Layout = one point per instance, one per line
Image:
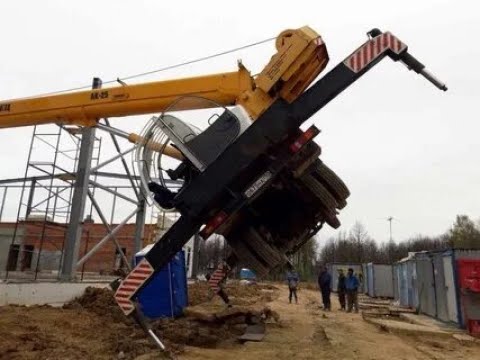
(301, 55)
(85, 107)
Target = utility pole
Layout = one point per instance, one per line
(390, 219)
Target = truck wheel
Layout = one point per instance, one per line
(268, 253)
(320, 191)
(248, 258)
(333, 221)
(341, 204)
(334, 184)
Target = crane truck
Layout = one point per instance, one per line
(253, 175)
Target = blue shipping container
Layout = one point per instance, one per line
(167, 294)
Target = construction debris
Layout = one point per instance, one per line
(424, 320)
(404, 321)
(465, 339)
(255, 332)
(94, 326)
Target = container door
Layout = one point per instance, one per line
(365, 278)
(426, 290)
(333, 269)
(371, 280)
(403, 285)
(383, 281)
(469, 282)
(410, 283)
(440, 288)
(450, 289)
(396, 282)
(413, 285)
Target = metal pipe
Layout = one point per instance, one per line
(156, 339)
(106, 162)
(137, 139)
(112, 130)
(113, 206)
(82, 179)
(96, 184)
(105, 239)
(30, 199)
(124, 163)
(139, 226)
(109, 230)
(430, 77)
(3, 202)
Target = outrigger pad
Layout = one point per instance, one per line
(253, 333)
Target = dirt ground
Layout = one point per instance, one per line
(306, 332)
(93, 328)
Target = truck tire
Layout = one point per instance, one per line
(320, 191)
(333, 221)
(332, 182)
(341, 204)
(267, 252)
(248, 258)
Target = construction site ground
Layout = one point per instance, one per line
(92, 327)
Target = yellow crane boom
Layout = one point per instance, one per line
(301, 55)
(84, 108)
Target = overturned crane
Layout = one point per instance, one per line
(252, 175)
(261, 185)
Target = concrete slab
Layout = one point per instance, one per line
(251, 337)
(377, 313)
(374, 301)
(405, 328)
(466, 339)
(43, 293)
(425, 320)
(401, 310)
(372, 306)
(253, 333)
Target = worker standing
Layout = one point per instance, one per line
(341, 289)
(351, 285)
(292, 279)
(324, 283)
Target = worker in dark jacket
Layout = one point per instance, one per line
(292, 280)
(351, 285)
(325, 283)
(341, 290)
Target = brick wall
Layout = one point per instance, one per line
(106, 259)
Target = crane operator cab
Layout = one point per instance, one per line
(199, 147)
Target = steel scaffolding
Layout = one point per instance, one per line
(64, 180)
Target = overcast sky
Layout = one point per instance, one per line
(404, 148)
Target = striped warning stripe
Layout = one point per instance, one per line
(318, 41)
(217, 276)
(373, 49)
(131, 284)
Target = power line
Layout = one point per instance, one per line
(169, 67)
